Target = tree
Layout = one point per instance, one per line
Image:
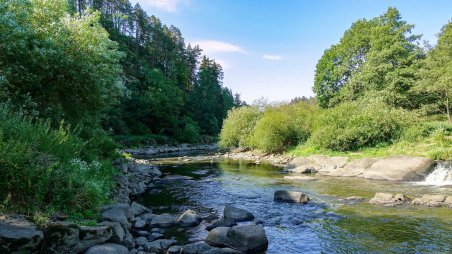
(373, 55)
(435, 75)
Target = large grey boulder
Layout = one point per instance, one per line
(120, 213)
(107, 248)
(237, 214)
(118, 233)
(218, 237)
(248, 238)
(399, 168)
(189, 219)
(245, 238)
(290, 197)
(17, 234)
(354, 168)
(64, 237)
(163, 221)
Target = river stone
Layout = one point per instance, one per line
(137, 209)
(302, 165)
(147, 217)
(429, 200)
(118, 233)
(65, 237)
(107, 248)
(139, 223)
(291, 197)
(218, 237)
(247, 238)
(196, 248)
(174, 249)
(221, 223)
(354, 168)
(176, 177)
(120, 213)
(141, 241)
(300, 178)
(159, 245)
(237, 214)
(388, 199)
(400, 168)
(163, 221)
(17, 234)
(189, 219)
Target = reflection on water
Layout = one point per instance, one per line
(325, 225)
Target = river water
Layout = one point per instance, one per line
(325, 225)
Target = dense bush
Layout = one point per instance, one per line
(238, 125)
(45, 169)
(282, 127)
(354, 125)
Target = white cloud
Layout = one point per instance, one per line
(166, 5)
(272, 57)
(212, 47)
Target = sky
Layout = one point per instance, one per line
(269, 48)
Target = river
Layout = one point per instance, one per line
(327, 224)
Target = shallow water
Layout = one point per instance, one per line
(325, 225)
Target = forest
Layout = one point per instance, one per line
(77, 78)
(378, 92)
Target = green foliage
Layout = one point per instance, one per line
(434, 85)
(283, 127)
(45, 169)
(238, 126)
(354, 125)
(373, 55)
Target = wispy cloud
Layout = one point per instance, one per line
(212, 47)
(166, 5)
(272, 57)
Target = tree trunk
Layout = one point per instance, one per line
(448, 110)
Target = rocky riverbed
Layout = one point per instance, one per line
(213, 203)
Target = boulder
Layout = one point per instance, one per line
(174, 249)
(300, 178)
(158, 246)
(399, 168)
(354, 168)
(430, 200)
(107, 248)
(120, 213)
(302, 165)
(65, 237)
(139, 223)
(448, 201)
(118, 233)
(291, 197)
(248, 238)
(388, 199)
(163, 221)
(221, 223)
(237, 214)
(189, 219)
(17, 234)
(218, 237)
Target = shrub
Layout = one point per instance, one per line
(238, 125)
(282, 127)
(45, 169)
(354, 125)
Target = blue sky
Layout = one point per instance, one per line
(270, 48)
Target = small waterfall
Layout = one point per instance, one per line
(441, 175)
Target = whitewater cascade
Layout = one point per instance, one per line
(441, 175)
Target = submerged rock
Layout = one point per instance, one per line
(17, 234)
(300, 178)
(189, 218)
(221, 223)
(291, 197)
(237, 214)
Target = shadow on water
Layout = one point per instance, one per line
(325, 225)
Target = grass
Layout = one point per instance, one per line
(436, 148)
